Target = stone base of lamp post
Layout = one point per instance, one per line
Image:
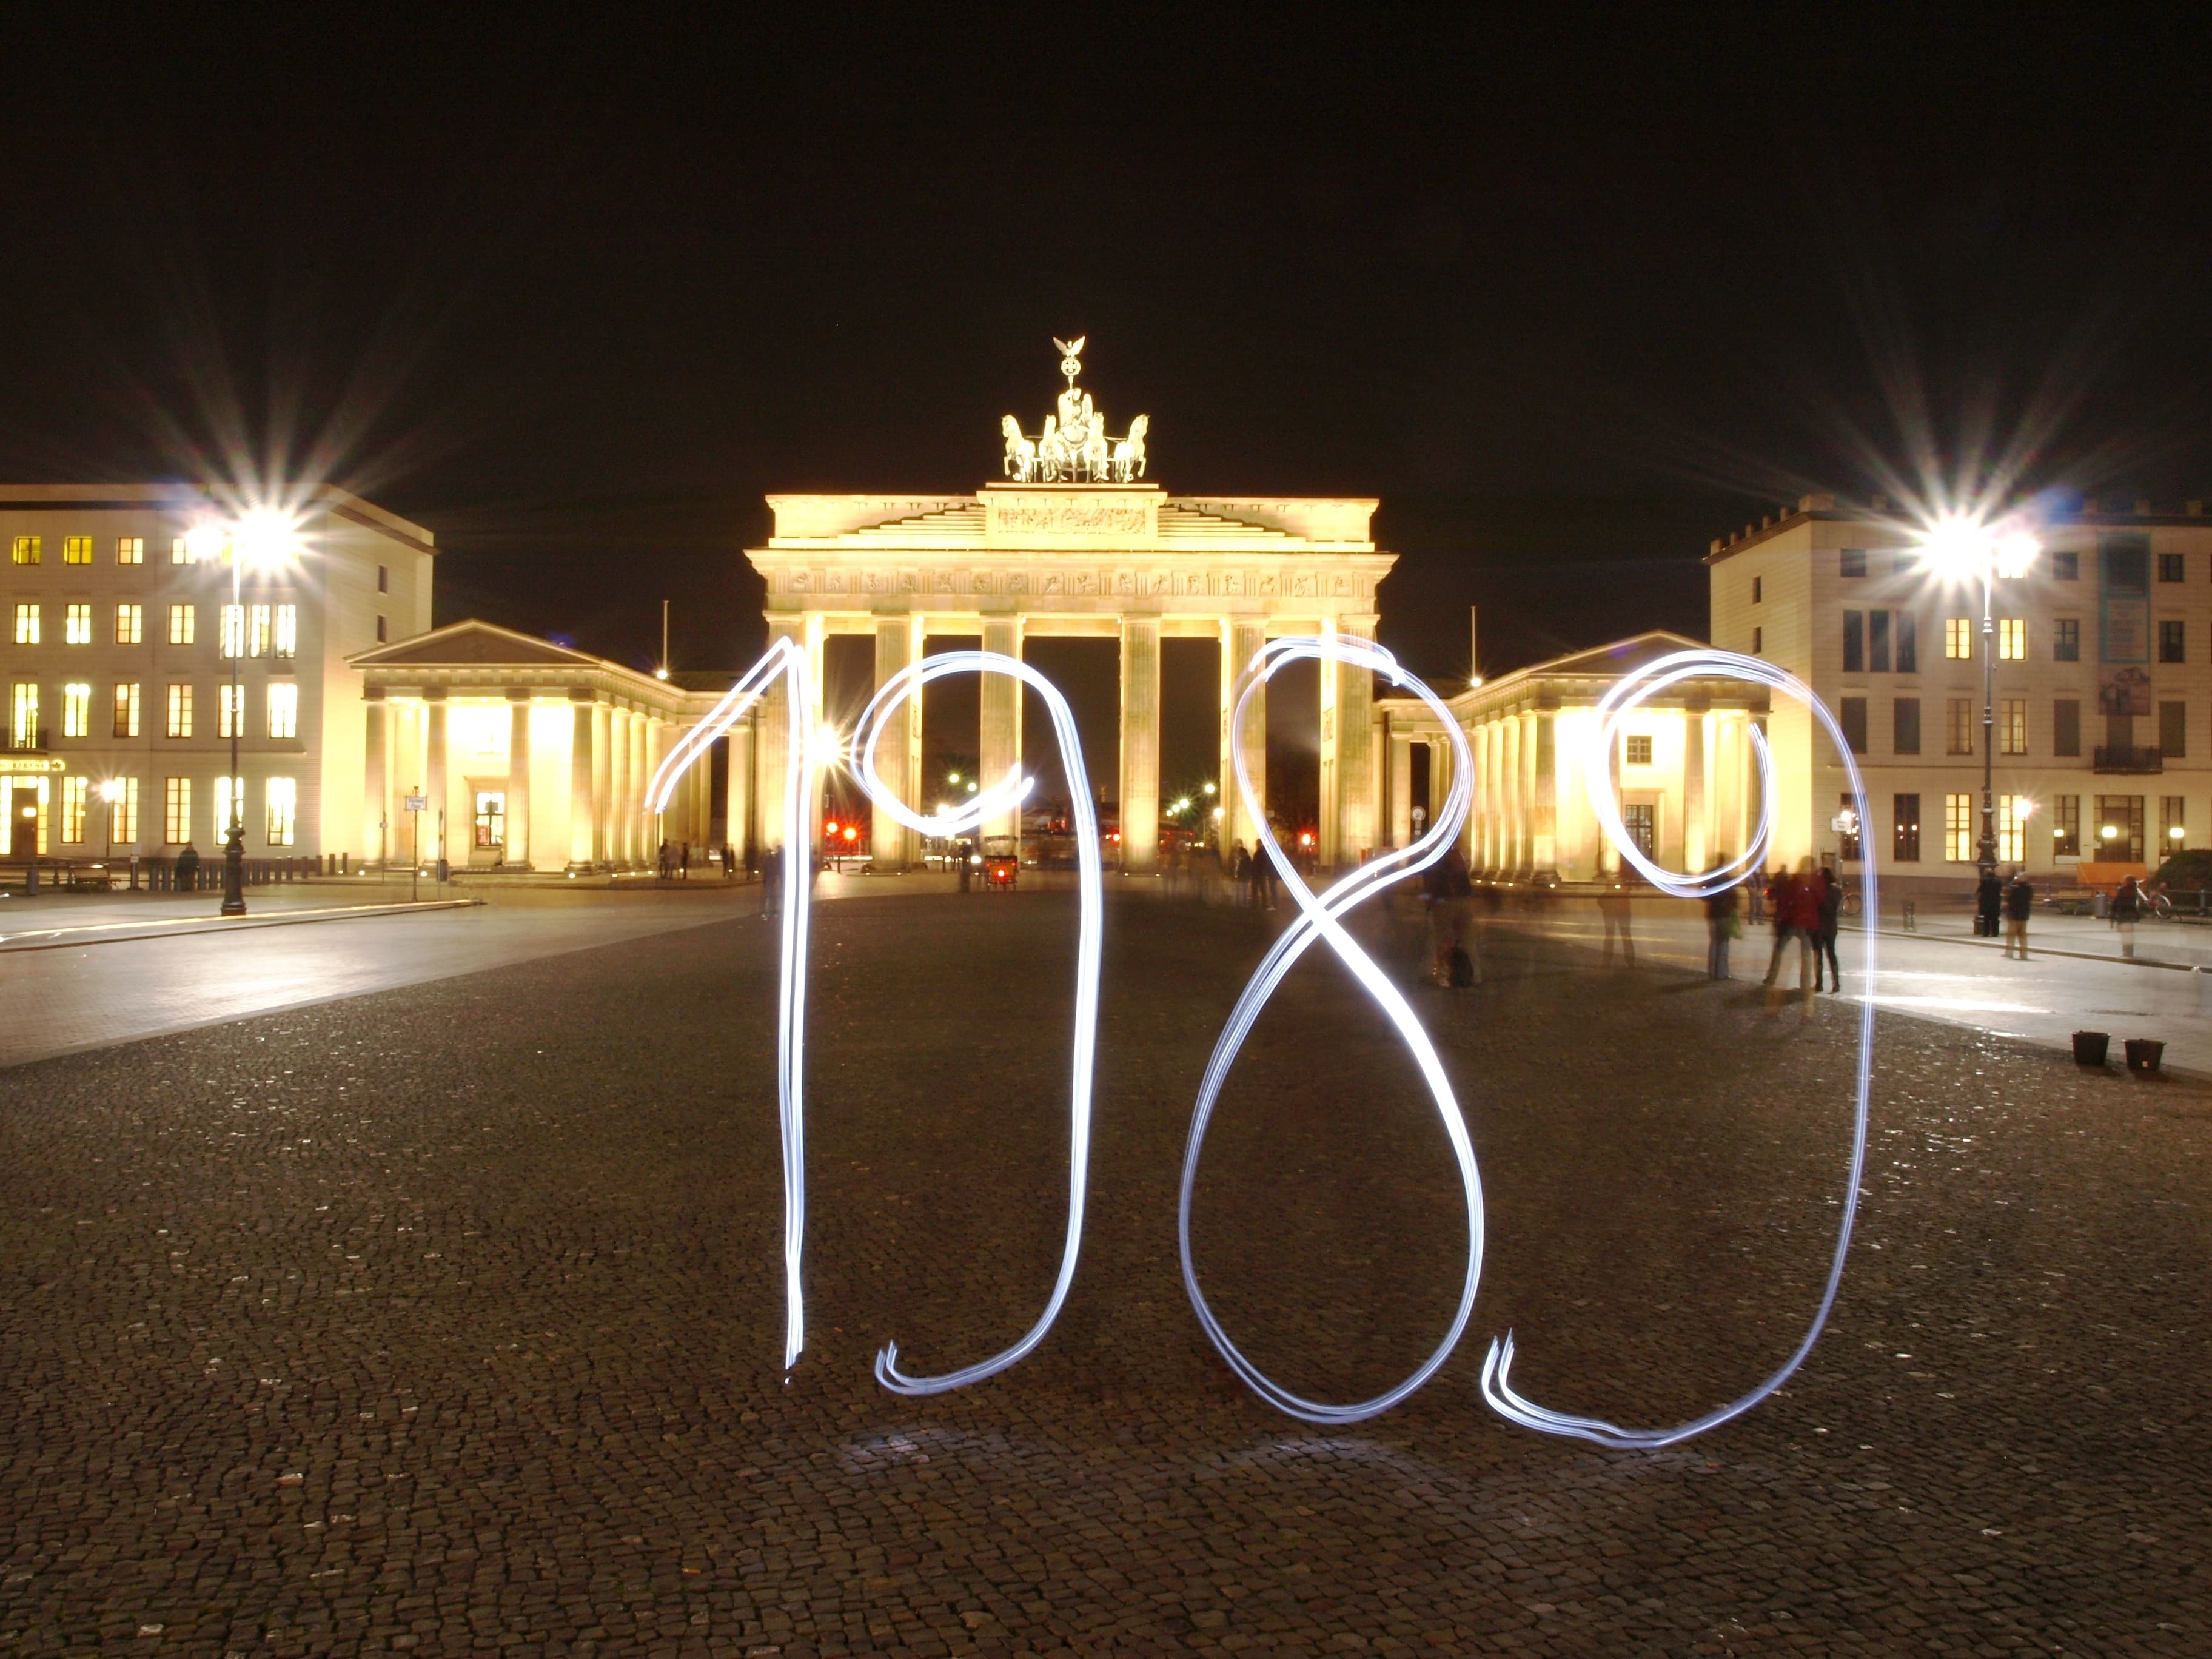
(233, 873)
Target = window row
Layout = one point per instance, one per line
(282, 706)
(261, 630)
(2116, 828)
(1962, 719)
(2064, 564)
(79, 801)
(129, 549)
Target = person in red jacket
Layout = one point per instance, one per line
(1805, 925)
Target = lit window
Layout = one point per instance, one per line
(283, 709)
(26, 550)
(23, 714)
(2012, 812)
(1960, 727)
(2012, 638)
(180, 711)
(2066, 827)
(2173, 821)
(183, 623)
(287, 630)
(26, 622)
(76, 550)
(176, 811)
(1958, 638)
(123, 812)
(232, 706)
(234, 631)
(257, 638)
(229, 808)
(283, 817)
(76, 623)
(180, 552)
(1958, 834)
(129, 550)
(1639, 751)
(77, 710)
(2012, 727)
(126, 709)
(130, 623)
(75, 791)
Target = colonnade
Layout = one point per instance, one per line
(572, 798)
(1347, 827)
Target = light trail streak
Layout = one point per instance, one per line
(1319, 919)
(786, 657)
(1633, 690)
(1000, 797)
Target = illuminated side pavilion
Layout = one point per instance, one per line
(1073, 542)
(1682, 765)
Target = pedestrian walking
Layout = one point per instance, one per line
(1454, 957)
(1720, 929)
(1780, 888)
(967, 870)
(1989, 903)
(772, 882)
(1240, 873)
(2019, 900)
(1612, 905)
(684, 860)
(1831, 913)
(2127, 907)
(663, 860)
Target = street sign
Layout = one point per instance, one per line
(418, 803)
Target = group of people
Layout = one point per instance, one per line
(2016, 902)
(676, 862)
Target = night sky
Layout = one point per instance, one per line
(1570, 303)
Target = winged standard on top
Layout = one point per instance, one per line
(1073, 446)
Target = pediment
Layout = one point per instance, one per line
(472, 644)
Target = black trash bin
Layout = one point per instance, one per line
(2144, 1056)
(2090, 1047)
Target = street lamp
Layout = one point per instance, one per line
(1960, 547)
(111, 792)
(265, 540)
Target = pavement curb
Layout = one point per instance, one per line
(193, 926)
(2040, 950)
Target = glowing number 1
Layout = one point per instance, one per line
(788, 658)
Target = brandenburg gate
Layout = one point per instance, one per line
(1074, 541)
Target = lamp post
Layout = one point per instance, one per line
(266, 540)
(1965, 548)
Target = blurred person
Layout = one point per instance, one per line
(1453, 957)
(2019, 900)
(1988, 902)
(1830, 912)
(1720, 929)
(1612, 904)
(2128, 909)
(1780, 890)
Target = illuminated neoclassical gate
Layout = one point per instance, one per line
(1022, 559)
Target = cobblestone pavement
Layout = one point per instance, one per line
(448, 1318)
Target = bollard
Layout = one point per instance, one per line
(1912, 917)
(2196, 979)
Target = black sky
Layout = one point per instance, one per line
(578, 296)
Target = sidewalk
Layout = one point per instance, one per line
(2164, 943)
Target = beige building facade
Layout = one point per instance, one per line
(2103, 698)
(118, 649)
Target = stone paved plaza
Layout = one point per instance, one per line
(449, 1318)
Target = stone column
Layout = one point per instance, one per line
(1355, 753)
(1000, 737)
(518, 780)
(435, 784)
(1546, 795)
(376, 785)
(1402, 789)
(1241, 640)
(1696, 840)
(772, 745)
(1139, 790)
(737, 796)
(887, 836)
(611, 798)
(583, 766)
(640, 776)
(602, 772)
